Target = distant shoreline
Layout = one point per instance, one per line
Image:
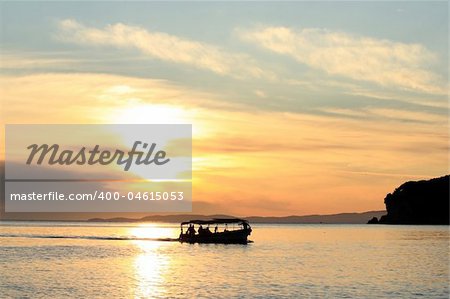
(340, 218)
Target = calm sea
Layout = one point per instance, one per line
(117, 260)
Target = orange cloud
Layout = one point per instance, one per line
(252, 162)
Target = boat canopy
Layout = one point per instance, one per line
(216, 221)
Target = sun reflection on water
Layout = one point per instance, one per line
(149, 231)
(151, 264)
(149, 269)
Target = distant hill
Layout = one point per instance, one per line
(343, 218)
(420, 202)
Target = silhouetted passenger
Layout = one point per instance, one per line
(207, 231)
(215, 229)
(191, 230)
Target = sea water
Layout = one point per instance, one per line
(142, 260)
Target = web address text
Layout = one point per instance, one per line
(98, 195)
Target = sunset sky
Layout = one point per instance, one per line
(297, 107)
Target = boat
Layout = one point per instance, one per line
(220, 231)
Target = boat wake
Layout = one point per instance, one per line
(113, 238)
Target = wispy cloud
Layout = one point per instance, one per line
(16, 60)
(381, 61)
(389, 115)
(163, 46)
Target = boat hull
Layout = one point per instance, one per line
(230, 237)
